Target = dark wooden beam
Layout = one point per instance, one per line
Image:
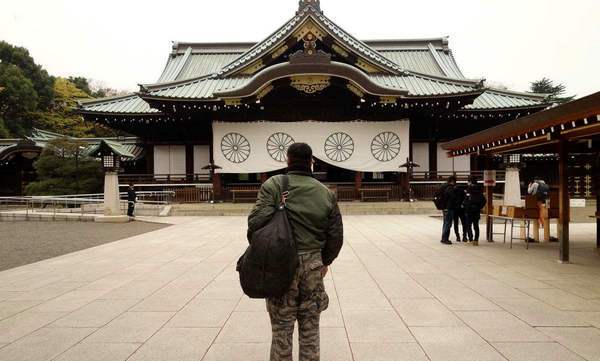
(489, 206)
(563, 201)
(358, 182)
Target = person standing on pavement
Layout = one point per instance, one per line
(540, 189)
(473, 203)
(317, 227)
(447, 195)
(459, 213)
(131, 200)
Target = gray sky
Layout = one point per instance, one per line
(125, 42)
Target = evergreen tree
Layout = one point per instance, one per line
(63, 168)
(40, 79)
(18, 99)
(555, 92)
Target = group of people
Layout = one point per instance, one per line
(460, 205)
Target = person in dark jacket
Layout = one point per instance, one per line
(473, 203)
(318, 230)
(459, 213)
(449, 193)
(131, 200)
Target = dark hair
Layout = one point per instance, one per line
(300, 153)
(452, 179)
(473, 179)
(131, 184)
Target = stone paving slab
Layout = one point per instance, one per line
(395, 293)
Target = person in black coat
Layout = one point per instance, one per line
(448, 204)
(131, 200)
(459, 213)
(473, 203)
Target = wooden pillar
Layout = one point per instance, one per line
(563, 201)
(217, 186)
(189, 162)
(489, 206)
(597, 219)
(358, 183)
(149, 159)
(264, 177)
(433, 159)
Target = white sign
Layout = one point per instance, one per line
(259, 147)
(577, 203)
(489, 178)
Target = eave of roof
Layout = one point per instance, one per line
(553, 117)
(130, 104)
(499, 99)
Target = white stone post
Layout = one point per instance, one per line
(112, 204)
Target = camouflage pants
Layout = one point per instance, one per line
(304, 301)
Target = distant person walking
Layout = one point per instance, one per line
(131, 200)
(445, 200)
(540, 189)
(317, 228)
(473, 203)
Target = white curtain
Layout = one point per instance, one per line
(259, 147)
(169, 159)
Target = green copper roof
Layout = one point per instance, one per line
(114, 146)
(495, 99)
(128, 104)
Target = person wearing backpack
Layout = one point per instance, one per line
(473, 203)
(445, 200)
(317, 228)
(541, 190)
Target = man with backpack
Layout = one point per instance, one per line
(473, 203)
(445, 200)
(317, 229)
(541, 190)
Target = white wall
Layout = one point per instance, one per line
(420, 155)
(169, 159)
(201, 159)
(456, 164)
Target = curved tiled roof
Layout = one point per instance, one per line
(495, 99)
(304, 14)
(128, 104)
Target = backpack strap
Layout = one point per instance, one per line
(285, 186)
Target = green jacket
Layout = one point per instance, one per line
(312, 210)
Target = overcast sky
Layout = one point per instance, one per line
(126, 42)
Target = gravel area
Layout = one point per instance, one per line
(22, 243)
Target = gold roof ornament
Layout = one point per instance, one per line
(314, 3)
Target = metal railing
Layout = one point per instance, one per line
(163, 178)
(81, 204)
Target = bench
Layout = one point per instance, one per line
(381, 193)
(244, 195)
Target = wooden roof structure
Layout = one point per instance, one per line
(212, 76)
(575, 120)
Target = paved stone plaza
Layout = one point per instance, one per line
(396, 294)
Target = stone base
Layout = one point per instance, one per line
(112, 219)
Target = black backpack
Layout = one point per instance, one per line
(474, 201)
(440, 198)
(268, 266)
(543, 191)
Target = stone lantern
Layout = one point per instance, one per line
(111, 153)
